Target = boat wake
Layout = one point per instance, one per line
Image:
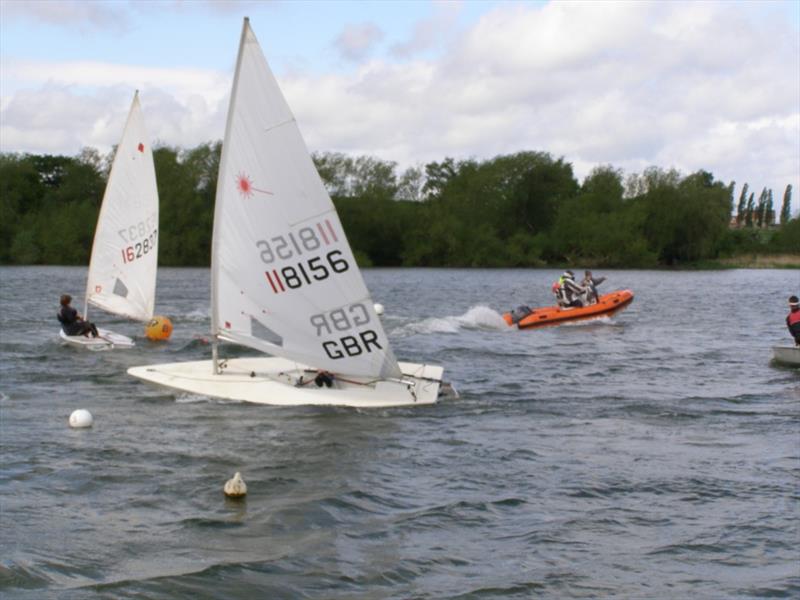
(476, 318)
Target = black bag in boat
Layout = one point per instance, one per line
(520, 313)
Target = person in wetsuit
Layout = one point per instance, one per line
(71, 322)
(793, 319)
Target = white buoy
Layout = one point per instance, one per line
(236, 487)
(378, 309)
(80, 418)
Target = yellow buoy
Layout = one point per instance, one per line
(159, 328)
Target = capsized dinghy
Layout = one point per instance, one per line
(608, 304)
(787, 355)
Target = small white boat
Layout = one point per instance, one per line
(787, 355)
(278, 381)
(122, 268)
(106, 340)
(283, 277)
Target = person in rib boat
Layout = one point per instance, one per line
(590, 284)
(71, 322)
(570, 293)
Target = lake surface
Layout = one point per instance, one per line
(652, 455)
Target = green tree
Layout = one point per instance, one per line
(437, 175)
(411, 185)
(741, 208)
(786, 207)
(769, 211)
(761, 208)
(686, 221)
(186, 181)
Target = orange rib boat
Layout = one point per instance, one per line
(607, 305)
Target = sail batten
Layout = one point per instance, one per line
(280, 258)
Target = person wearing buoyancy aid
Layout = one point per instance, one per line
(573, 294)
(793, 319)
(559, 291)
(71, 322)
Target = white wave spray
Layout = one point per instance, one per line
(478, 317)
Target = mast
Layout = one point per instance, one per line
(218, 203)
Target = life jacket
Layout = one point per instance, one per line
(794, 317)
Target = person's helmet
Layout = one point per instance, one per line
(793, 301)
(568, 275)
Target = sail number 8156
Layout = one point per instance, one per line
(306, 272)
(290, 245)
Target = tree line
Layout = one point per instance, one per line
(519, 210)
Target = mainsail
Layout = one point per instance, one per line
(122, 269)
(284, 279)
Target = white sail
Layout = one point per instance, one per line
(284, 280)
(122, 269)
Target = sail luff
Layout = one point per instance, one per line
(220, 194)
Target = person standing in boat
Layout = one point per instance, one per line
(590, 284)
(71, 322)
(793, 319)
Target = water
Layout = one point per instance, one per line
(652, 455)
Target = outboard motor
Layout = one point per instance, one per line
(520, 313)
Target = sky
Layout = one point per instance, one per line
(686, 85)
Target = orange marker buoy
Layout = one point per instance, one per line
(159, 328)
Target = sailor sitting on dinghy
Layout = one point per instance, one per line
(71, 322)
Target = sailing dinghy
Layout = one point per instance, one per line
(283, 277)
(124, 260)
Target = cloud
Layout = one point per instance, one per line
(222, 7)
(357, 41)
(430, 33)
(60, 108)
(69, 13)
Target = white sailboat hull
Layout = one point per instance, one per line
(789, 355)
(277, 381)
(107, 340)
